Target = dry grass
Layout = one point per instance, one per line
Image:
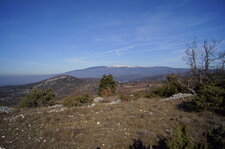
(133, 87)
(105, 126)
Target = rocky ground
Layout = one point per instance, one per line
(108, 126)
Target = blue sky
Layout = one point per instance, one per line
(53, 36)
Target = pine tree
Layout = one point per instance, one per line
(107, 85)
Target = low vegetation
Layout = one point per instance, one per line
(38, 98)
(209, 97)
(181, 139)
(105, 126)
(138, 95)
(76, 100)
(172, 86)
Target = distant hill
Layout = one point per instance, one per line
(121, 73)
(62, 85)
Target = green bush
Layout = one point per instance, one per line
(38, 98)
(107, 85)
(172, 86)
(76, 101)
(181, 139)
(214, 139)
(209, 97)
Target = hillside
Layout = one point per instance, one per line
(104, 126)
(63, 85)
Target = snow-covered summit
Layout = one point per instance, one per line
(128, 66)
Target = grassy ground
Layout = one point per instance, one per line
(104, 126)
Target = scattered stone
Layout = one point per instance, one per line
(55, 106)
(20, 115)
(98, 99)
(10, 119)
(56, 110)
(98, 123)
(92, 105)
(5, 109)
(177, 96)
(114, 102)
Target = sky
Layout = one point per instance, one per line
(55, 36)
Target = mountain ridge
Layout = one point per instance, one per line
(122, 73)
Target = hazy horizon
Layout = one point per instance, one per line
(50, 37)
(83, 69)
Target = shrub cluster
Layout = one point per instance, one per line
(213, 139)
(107, 85)
(76, 101)
(181, 139)
(38, 98)
(172, 86)
(210, 96)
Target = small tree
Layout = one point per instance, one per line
(107, 85)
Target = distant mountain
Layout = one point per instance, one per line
(125, 73)
(121, 73)
(63, 85)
